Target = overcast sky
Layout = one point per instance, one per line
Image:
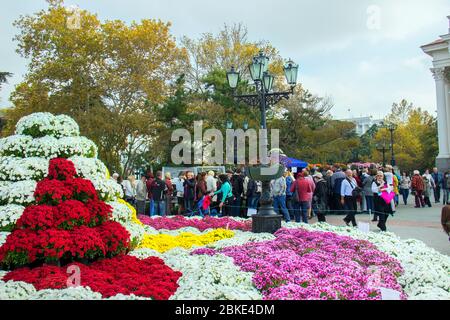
(363, 63)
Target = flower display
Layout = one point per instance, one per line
(426, 271)
(125, 275)
(68, 223)
(178, 222)
(301, 265)
(9, 215)
(164, 242)
(59, 208)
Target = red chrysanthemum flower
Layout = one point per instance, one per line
(61, 169)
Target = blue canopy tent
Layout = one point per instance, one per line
(292, 163)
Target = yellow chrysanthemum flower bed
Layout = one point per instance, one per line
(165, 242)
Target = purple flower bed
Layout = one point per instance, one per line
(179, 222)
(301, 265)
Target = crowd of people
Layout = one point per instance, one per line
(296, 196)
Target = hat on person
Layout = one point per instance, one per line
(318, 175)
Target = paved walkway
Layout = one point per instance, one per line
(409, 222)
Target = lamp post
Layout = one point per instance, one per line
(382, 148)
(266, 220)
(391, 127)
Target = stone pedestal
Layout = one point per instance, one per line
(266, 223)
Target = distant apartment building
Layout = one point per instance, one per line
(362, 124)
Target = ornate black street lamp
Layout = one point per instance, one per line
(382, 148)
(263, 82)
(266, 220)
(391, 127)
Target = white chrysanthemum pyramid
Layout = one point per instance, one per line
(24, 159)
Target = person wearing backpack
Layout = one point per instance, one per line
(336, 182)
(349, 190)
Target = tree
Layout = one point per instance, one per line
(4, 77)
(230, 47)
(104, 74)
(308, 132)
(415, 139)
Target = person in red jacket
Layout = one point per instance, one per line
(304, 189)
(418, 187)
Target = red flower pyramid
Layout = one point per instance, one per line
(67, 223)
(70, 224)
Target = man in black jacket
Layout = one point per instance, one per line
(189, 192)
(320, 197)
(158, 190)
(237, 184)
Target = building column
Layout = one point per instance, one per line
(443, 118)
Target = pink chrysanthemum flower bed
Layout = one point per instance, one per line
(301, 265)
(178, 222)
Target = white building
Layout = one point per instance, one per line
(363, 124)
(439, 50)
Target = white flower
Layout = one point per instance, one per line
(71, 293)
(13, 290)
(15, 145)
(3, 236)
(42, 124)
(18, 169)
(89, 168)
(9, 215)
(20, 192)
(77, 146)
(46, 147)
(121, 212)
(107, 189)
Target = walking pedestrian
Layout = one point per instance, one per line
(367, 190)
(382, 206)
(141, 195)
(226, 193)
(418, 187)
(158, 190)
(437, 179)
(179, 187)
(301, 201)
(189, 192)
(278, 189)
(320, 197)
(237, 183)
(348, 198)
(405, 186)
(427, 190)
